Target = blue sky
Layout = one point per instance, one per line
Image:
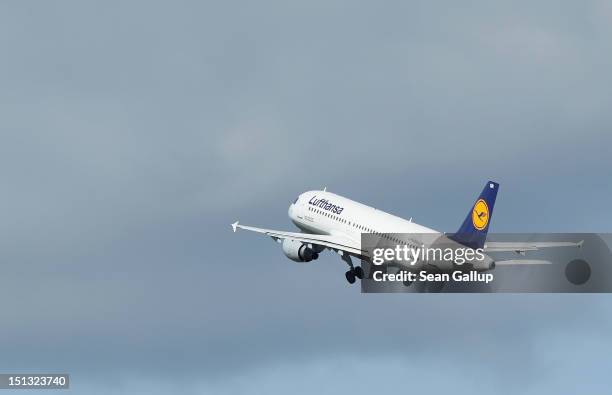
(134, 133)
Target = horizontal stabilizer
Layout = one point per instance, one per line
(521, 247)
(521, 262)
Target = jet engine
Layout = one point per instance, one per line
(483, 265)
(298, 251)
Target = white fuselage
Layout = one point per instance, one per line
(326, 213)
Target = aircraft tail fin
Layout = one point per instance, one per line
(473, 231)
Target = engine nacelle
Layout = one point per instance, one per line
(298, 251)
(483, 265)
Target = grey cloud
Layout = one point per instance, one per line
(133, 135)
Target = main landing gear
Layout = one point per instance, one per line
(354, 272)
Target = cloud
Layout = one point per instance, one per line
(133, 136)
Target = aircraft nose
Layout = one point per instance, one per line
(291, 211)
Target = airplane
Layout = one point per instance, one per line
(330, 221)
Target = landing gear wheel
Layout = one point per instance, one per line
(359, 272)
(350, 276)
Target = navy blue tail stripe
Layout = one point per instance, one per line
(473, 231)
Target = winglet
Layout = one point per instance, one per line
(580, 243)
(235, 226)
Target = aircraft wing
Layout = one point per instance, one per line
(333, 242)
(522, 247)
